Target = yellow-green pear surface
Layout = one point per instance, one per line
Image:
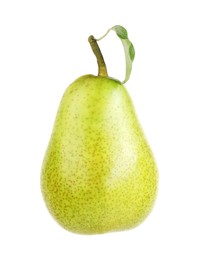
(98, 173)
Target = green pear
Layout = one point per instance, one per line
(98, 173)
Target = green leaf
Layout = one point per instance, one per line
(121, 31)
(131, 52)
(128, 48)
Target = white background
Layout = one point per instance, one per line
(43, 48)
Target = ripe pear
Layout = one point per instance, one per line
(98, 173)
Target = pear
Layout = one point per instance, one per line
(98, 173)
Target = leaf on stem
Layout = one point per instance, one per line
(128, 48)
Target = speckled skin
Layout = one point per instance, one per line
(98, 174)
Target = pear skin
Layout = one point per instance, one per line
(98, 173)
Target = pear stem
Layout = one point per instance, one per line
(102, 70)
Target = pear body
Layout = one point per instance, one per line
(98, 173)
